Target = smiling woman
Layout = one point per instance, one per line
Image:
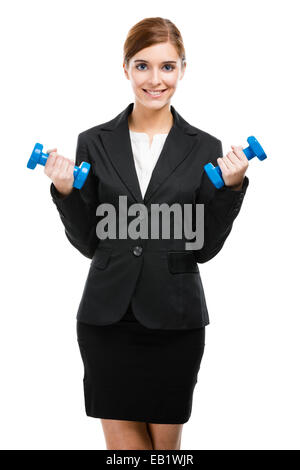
(140, 380)
(154, 62)
(142, 316)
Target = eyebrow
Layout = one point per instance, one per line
(164, 62)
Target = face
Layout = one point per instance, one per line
(157, 67)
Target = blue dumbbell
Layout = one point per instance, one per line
(254, 150)
(40, 158)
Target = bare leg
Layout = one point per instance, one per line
(165, 436)
(126, 435)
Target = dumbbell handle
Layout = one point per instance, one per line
(38, 157)
(249, 152)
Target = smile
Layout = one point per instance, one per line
(155, 94)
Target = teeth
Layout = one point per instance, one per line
(155, 92)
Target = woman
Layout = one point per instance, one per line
(141, 321)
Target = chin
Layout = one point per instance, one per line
(154, 104)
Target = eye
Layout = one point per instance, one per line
(139, 66)
(169, 65)
(166, 65)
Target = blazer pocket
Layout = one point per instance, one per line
(101, 258)
(182, 262)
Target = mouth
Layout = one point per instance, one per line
(154, 93)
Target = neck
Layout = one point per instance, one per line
(143, 119)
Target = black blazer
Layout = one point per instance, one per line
(160, 276)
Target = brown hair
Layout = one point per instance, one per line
(150, 31)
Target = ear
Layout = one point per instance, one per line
(183, 70)
(125, 71)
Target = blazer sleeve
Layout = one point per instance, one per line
(221, 207)
(77, 210)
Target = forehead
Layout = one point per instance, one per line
(157, 53)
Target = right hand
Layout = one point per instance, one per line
(60, 171)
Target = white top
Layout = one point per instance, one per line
(145, 157)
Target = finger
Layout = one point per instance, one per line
(70, 166)
(222, 164)
(59, 163)
(239, 152)
(51, 161)
(67, 168)
(229, 162)
(51, 150)
(64, 167)
(233, 160)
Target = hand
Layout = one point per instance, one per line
(60, 171)
(233, 167)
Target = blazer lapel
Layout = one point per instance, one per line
(116, 139)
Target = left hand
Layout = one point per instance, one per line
(233, 167)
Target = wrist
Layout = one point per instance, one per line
(62, 193)
(237, 187)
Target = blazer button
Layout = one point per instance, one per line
(137, 250)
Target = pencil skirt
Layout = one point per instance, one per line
(135, 373)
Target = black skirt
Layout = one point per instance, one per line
(135, 373)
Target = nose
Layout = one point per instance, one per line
(155, 78)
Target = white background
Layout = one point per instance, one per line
(61, 74)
